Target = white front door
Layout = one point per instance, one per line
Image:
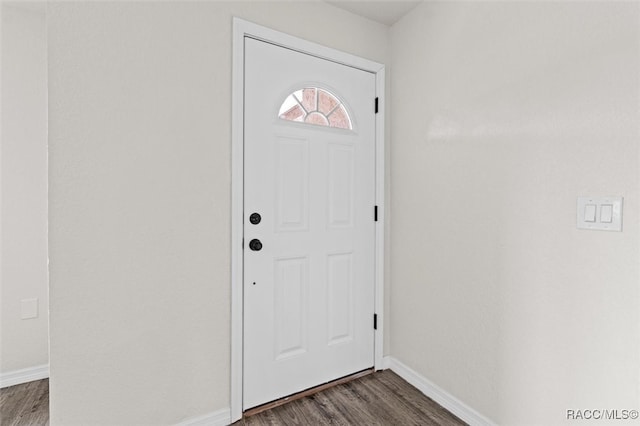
(309, 234)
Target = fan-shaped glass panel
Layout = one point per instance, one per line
(315, 106)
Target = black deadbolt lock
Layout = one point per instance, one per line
(255, 245)
(255, 218)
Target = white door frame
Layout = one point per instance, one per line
(241, 29)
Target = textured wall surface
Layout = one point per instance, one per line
(503, 114)
(140, 166)
(23, 177)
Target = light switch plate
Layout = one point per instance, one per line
(608, 218)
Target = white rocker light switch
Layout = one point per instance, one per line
(590, 213)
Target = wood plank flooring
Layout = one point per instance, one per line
(25, 405)
(381, 398)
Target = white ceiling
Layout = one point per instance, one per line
(386, 12)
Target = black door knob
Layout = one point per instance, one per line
(255, 245)
(255, 218)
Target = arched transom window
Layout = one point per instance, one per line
(315, 106)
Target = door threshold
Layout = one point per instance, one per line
(307, 392)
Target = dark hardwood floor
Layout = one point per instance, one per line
(25, 405)
(380, 398)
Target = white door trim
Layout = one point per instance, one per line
(241, 29)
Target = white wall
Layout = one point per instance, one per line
(139, 133)
(23, 177)
(503, 114)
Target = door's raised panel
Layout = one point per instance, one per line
(340, 185)
(292, 184)
(290, 306)
(340, 297)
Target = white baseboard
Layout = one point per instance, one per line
(23, 376)
(217, 418)
(439, 395)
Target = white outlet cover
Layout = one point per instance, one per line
(612, 223)
(29, 308)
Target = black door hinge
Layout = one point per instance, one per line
(375, 213)
(376, 105)
(375, 321)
